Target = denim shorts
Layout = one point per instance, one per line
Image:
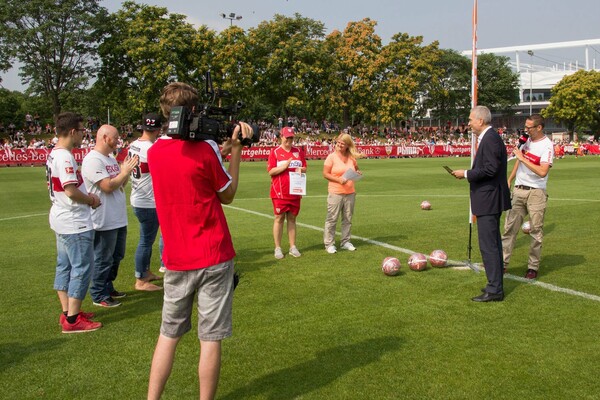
(74, 263)
(214, 286)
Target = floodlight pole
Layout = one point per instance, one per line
(530, 52)
(231, 17)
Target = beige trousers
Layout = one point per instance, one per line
(532, 202)
(338, 204)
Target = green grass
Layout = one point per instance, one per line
(328, 326)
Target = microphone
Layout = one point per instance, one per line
(522, 140)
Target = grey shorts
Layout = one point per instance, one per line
(214, 286)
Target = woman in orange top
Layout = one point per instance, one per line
(341, 192)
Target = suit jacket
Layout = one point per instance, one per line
(490, 193)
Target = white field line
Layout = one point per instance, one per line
(459, 265)
(22, 216)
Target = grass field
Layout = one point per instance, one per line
(329, 326)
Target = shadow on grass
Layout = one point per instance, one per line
(134, 305)
(254, 260)
(554, 262)
(327, 366)
(15, 353)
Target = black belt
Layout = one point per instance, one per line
(524, 187)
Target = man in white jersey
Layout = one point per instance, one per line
(143, 204)
(529, 196)
(71, 220)
(104, 177)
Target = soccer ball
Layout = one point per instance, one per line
(526, 227)
(417, 262)
(438, 258)
(391, 266)
(425, 205)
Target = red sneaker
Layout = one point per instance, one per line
(81, 325)
(86, 315)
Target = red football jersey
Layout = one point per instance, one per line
(280, 184)
(186, 176)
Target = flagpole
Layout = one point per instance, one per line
(473, 138)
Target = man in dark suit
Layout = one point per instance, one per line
(490, 196)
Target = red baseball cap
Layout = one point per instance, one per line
(287, 132)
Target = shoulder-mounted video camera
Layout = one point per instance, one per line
(208, 121)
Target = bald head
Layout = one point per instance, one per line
(107, 139)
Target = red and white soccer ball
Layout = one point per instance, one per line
(438, 258)
(391, 266)
(417, 262)
(425, 205)
(526, 227)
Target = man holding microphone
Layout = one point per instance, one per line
(534, 159)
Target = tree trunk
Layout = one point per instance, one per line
(56, 106)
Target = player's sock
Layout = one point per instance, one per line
(72, 318)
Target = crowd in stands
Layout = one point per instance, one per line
(310, 133)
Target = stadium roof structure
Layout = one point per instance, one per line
(542, 78)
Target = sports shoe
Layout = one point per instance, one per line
(294, 252)
(348, 246)
(86, 315)
(331, 249)
(162, 269)
(278, 253)
(108, 303)
(81, 325)
(115, 294)
(531, 274)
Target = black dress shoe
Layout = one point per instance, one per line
(485, 297)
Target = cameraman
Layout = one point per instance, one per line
(190, 184)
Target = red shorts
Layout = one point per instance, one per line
(281, 206)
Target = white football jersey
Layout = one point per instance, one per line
(67, 217)
(112, 213)
(142, 192)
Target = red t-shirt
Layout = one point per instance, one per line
(280, 184)
(186, 176)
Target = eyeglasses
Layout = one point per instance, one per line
(530, 127)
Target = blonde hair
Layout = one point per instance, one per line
(177, 94)
(351, 148)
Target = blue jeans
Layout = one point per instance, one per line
(109, 250)
(74, 263)
(148, 230)
(161, 246)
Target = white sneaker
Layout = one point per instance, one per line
(348, 246)
(278, 253)
(331, 249)
(294, 252)
(162, 269)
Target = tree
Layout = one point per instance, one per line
(498, 83)
(350, 91)
(233, 69)
(406, 70)
(575, 101)
(449, 97)
(10, 107)
(147, 48)
(55, 41)
(287, 61)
